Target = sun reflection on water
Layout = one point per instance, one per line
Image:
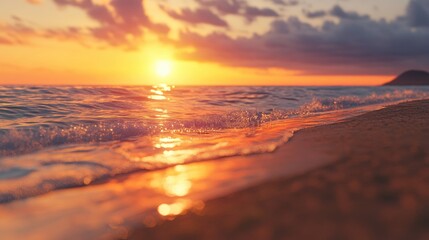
(158, 92)
(157, 97)
(177, 185)
(173, 209)
(168, 142)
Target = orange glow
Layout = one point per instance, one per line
(163, 68)
(164, 209)
(82, 59)
(177, 185)
(173, 209)
(168, 142)
(84, 66)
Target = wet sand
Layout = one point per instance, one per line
(375, 187)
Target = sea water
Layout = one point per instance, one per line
(71, 136)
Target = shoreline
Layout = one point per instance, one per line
(281, 130)
(374, 187)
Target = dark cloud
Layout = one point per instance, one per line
(224, 6)
(197, 16)
(418, 13)
(120, 25)
(339, 12)
(238, 7)
(286, 2)
(352, 46)
(252, 12)
(315, 14)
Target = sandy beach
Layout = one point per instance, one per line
(375, 187)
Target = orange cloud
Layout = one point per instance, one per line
(34, 1)
(122, 22)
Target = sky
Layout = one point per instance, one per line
(211, 42)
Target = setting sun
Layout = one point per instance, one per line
(163, 68)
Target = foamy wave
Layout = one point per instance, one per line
(23, 140)
(20, 140)
(345, 102)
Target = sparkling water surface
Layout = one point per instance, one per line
(57, 137)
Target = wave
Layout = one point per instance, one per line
(346, 102)
(42, 155)
(25, 139)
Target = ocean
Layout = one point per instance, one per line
(53, 138)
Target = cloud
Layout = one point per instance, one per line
(122, 22)
(15, 33)
(315, 14)
(354, 45)
(224, 6)
(34, 1)
(20, 32)
(239, 8)
(286, 2)
(69, 33)
(339, 12)
(5, 41)
(198, 16)
(252, 12)
(418, 13)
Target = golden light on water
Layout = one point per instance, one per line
(164, 209)
(163, 68)
(179, 184)
(168, 142)
(175, 208)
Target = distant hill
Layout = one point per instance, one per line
(410, 78)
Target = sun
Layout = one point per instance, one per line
(163, 68)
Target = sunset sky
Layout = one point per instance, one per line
(212, 42)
